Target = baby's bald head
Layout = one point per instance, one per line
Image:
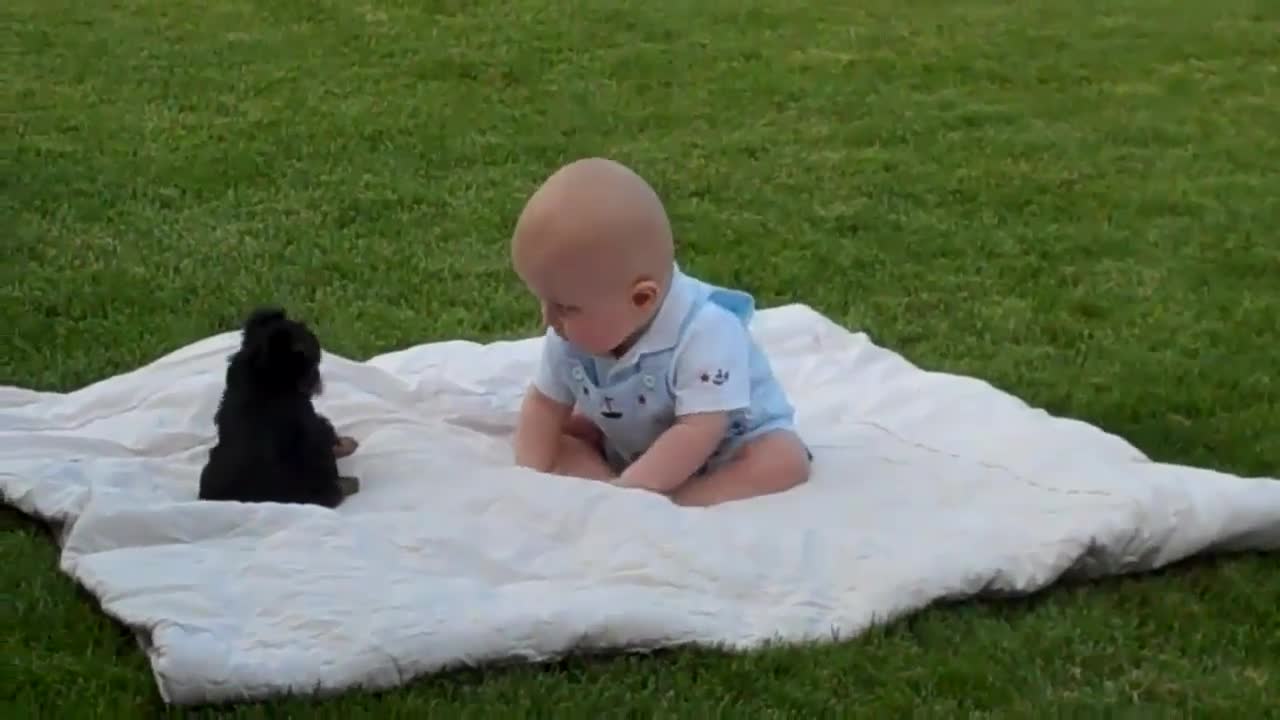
(598, 209)
(594, 229)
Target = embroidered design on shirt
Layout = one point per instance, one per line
(608, 411)
(720, 378)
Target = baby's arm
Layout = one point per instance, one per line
(711, 378)
(544, 411)
(677, 453)
(538, 430)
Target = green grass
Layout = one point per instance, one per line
(1077, 201)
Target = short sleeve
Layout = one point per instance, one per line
(549, 378)
(712, 366)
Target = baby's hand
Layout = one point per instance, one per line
(581, 427)
(538, 429)
(677, 453)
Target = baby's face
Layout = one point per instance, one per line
(594, 317)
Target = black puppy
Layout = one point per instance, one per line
(272, 444)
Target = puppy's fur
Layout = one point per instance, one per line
(272, 444)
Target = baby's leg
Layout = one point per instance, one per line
(580, 458)
(581, 427)
(771, 463)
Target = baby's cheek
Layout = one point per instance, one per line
(575, 334)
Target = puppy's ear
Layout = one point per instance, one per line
(263, 317)
(282, 341)
(294, 353)
(265, 344)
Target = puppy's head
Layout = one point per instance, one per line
(280, 353)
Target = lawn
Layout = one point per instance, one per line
(1077, 201)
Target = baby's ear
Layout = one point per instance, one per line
(644, 293)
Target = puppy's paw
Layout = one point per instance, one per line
(348, 484)
(345, 446)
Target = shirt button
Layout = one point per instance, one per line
(648, 381)
(578, 374)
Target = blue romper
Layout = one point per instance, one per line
(697, 356)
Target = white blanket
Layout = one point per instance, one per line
(927, 486)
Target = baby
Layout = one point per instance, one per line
(649, 378)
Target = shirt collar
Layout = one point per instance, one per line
(664, 332)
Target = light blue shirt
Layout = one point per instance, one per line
(696, 356)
